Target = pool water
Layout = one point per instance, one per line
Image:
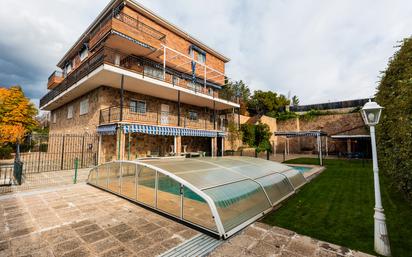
(301, 169)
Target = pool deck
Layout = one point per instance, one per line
(311, 174)
(81, 220)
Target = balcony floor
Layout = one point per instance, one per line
(110, 75)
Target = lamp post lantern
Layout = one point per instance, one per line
(371, 113)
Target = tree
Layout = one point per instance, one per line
(257, 136)
(17, 115)
(263, 102)
(394, 131)
(235, 89)
(295, 100)
(234, 134)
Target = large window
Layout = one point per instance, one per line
(84, 106)
(70, 111)
(137, 106)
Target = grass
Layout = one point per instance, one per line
(337, 207)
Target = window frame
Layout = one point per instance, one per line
(83, 54)
(70, 111)
(190, 117)
(84, 112)
(136, 110)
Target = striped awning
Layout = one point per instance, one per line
(167, 131)
(107, 129)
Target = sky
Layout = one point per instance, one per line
(319, 50)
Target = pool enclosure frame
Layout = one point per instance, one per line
(221, 231)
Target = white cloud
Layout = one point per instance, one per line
(318, 50)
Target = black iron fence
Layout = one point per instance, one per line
(40, 153)
(6, 174)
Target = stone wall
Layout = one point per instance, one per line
(78, 124)
(345, 123)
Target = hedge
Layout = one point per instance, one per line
(394, 132)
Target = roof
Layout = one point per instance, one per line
(350, 136)
(143, 10)
(221, 195)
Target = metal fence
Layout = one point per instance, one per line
(6, 174)
(52, 152)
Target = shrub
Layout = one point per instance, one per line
(394, 132)
(5, 152)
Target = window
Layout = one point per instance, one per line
(54, 117)
(201, 57)
(70, 111)
(153, 72)
(83, 54)
(137, 106)
(193, 116)
(68, 68)
(84, 106)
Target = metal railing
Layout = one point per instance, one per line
(112, 115)
(6, 174)
(55, 74)
(330, 106)
(140, 65)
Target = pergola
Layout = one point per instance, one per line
(310, 133)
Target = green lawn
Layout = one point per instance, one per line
(337, 207)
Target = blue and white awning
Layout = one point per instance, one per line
(107, 129)
(167, 131)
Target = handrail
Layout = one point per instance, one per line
(112, 115)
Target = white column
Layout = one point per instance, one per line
(223, 146)
(381, 234)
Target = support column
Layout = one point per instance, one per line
(213, 148)
(349, 145)
(99, 152)
(327, 149)
(223, 146)
(120, 144)
(178, 145)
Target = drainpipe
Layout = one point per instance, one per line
(121, 98)
(178, 108)
(214, 115)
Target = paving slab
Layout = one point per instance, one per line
(81, 220)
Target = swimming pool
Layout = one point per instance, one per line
(301, 169)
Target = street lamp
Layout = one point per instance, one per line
(371, 113)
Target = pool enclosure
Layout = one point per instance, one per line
(221, 195)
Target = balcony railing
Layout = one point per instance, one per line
(113, 115)
(140, 65)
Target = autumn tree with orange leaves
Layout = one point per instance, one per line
(17, 115)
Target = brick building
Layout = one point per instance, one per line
(144, 85)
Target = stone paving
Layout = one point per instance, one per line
(259, 240)
(80, 220)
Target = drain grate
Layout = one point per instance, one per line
(200, 245)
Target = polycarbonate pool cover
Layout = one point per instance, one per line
(219, 194)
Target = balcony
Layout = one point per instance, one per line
(112, 115)
(105, 66)
(54, 79)
(125, 29)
